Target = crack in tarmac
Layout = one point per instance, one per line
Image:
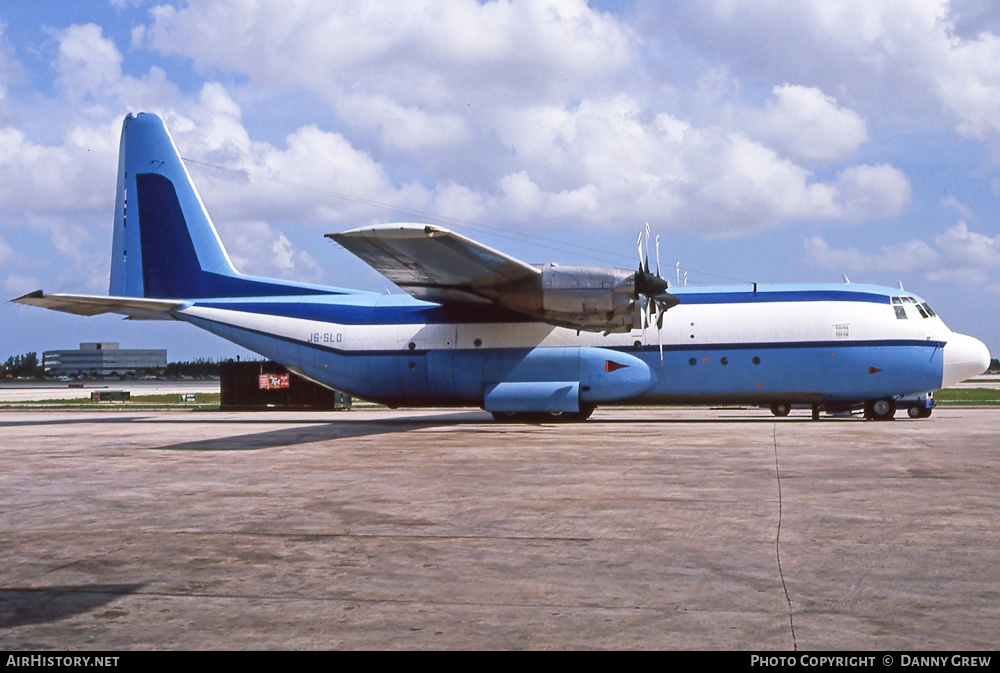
(777, 540)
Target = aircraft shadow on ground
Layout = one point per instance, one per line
(40, 605)
(305, 431)
(309, 431)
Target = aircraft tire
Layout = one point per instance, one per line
(881, 410)
(915, 412)
(566, 416)
(544, 416)
(781, 409)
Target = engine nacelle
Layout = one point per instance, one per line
(591, 298)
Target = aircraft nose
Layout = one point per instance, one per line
(964, 357)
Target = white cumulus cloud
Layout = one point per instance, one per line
(968, 248)
(958, 255)
(890, 57)
(88, 63)
(905, 257)
(806, 125)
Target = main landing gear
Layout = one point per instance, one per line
(880, 410)
(544, 416)
(781, 409)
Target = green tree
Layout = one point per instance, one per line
(21, 365)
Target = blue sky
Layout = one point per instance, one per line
(763, 140)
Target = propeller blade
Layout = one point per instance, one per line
(657, 255)
(638, 247)
(660, 310)
(647, 247)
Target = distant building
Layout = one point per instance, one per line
(103, 359)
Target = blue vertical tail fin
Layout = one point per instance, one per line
(164, 243)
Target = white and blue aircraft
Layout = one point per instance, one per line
(479, 328)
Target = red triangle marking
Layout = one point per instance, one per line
(610, 366)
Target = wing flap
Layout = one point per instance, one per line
(84, 304)
(434, 263)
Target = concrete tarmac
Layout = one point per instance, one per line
(639, 529)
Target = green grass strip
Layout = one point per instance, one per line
(968, 396)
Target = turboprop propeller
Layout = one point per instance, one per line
(651, 290)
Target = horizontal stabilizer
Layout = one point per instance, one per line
(84, 304)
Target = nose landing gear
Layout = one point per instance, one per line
(918, 412)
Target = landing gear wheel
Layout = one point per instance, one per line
(780, 409)
(918, 412)
(544, 416)
(571, 416)
(880, 410)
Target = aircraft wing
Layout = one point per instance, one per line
(135, 308)
(435, 264)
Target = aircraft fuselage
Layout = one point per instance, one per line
(796, 344)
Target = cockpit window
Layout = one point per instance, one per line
(899, 304)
